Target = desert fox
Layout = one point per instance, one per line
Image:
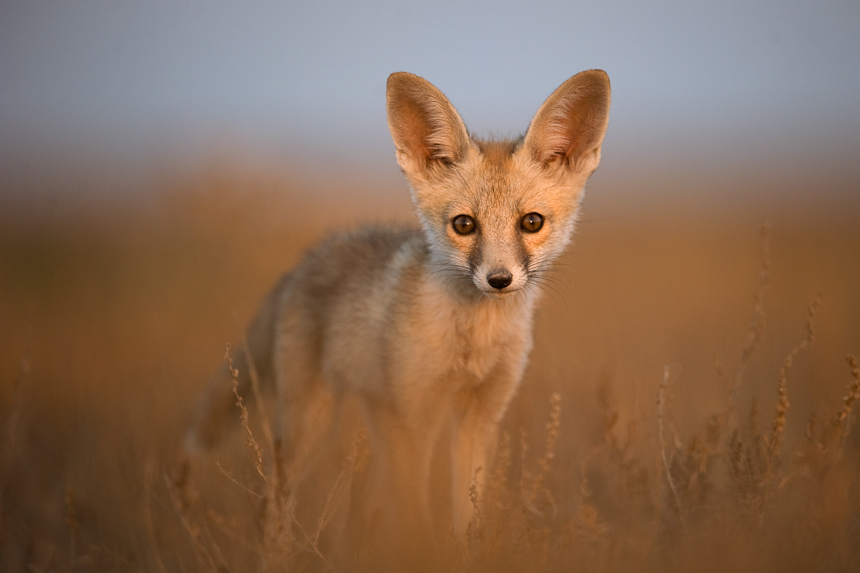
(429, 328)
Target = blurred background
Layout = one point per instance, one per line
(736, 98)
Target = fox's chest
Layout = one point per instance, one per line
(477, 340)
(444, 344)
(475, 351)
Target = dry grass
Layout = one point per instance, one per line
(630, 446)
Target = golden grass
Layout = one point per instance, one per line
(678, 412)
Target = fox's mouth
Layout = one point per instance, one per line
(500, 295)
(498, 282)
(497, 293)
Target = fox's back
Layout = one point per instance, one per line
(343, 299)
(353, 262)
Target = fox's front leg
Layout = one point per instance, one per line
(475, 436)
(473, 447)
(401, 474)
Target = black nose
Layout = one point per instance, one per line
(500, 278)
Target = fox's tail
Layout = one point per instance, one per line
(216, 411)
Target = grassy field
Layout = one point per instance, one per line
(688, 405)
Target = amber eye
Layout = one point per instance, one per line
(532, 222)
(463, 224)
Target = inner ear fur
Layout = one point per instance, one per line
(568, 128)
(426, 128)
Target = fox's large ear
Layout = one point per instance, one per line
(427, 131)
(568, 128)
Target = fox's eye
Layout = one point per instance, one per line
(463, 224)
(532, 222)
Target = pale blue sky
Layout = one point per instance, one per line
(712, 82)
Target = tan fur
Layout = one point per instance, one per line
(429, 328)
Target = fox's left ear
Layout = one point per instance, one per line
(427, 131)
(568, 128)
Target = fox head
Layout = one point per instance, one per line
(497, 213)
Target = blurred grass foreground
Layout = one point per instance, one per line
(691, 402)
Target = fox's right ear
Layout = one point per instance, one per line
(568, 129)
(428, 132)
